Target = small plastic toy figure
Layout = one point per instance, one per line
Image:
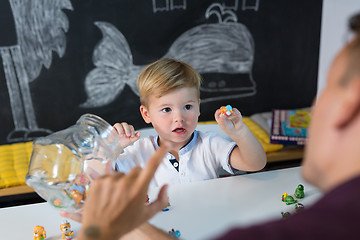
(299, 207)
(56, 203)
(167, 208)
(39, 233)
(147, 200)
(288, 199)
(67, 233)
(285, 214)
(299, 191)
(226, 111)
(76, 195)
(174, 233)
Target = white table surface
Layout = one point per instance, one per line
(199, 210)
(202, 210)
(17, 223)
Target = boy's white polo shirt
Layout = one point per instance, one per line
(199, 160)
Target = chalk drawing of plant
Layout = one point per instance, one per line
(40, 30)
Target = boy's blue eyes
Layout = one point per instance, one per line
(186, 107)
(166, 109)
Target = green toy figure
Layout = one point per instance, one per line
(285, 214)
(299, 191)
(288, 199)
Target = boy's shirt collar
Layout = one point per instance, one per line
(188, 147)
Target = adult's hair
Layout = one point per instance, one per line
(352, 51)
(354, 23)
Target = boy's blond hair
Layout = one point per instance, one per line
(164, 76)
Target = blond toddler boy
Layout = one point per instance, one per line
(170, 100)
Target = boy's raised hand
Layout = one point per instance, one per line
(231, 124)
(126, 133)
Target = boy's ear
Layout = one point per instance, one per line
(145, 114)
(350, 108)
(199, 107)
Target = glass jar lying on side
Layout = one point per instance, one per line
(63, 164)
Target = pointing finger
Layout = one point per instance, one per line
(148, 173)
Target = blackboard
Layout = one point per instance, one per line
(61, 58)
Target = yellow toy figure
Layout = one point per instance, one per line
(284, 196)
(67, 233)
(39, 233)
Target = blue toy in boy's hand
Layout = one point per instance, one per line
(174, 233)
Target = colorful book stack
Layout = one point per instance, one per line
(289, 127)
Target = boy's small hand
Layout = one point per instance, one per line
(126, 133)
(231, 124)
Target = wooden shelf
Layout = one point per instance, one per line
(285, 154)
(16, 190)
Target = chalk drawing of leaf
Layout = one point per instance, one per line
(113, 60)
(41, 27)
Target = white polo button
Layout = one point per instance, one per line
(182, 174)
(176, 164)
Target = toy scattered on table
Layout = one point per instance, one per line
(285, 214)
(65, 228)
(174, 233)
(226, 111)
(299, 207)
(299, 191)
(167, 208)
(147, 200)
(288, 199)
(39, 233)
